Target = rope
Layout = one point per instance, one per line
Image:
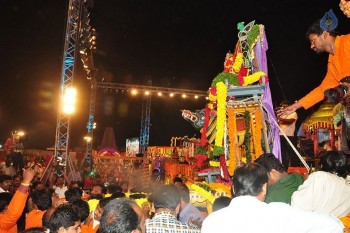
(291, 144)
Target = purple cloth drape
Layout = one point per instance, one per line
(260, 55)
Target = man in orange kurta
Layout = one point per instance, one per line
(10, 215)
(42, 201)
(338, 48)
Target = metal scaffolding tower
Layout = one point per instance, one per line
(69, 53)
(145, 121)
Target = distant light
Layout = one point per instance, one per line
(20, 133)
(184, 96)
(69, 99)
(207, 98)
(94, 125)
(147, 93)
(159, 94)
(0, 146)
(134, 92)
(88, 138)
(171, 94)
(196, 96)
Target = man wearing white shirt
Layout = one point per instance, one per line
(5, 183)
(247, 213)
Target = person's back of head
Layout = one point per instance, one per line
(334, 162)
(221, 202)
(269, 162)
(249, 180)
(112, 188)
(82, 208)
(184, 192)
(167, 196)
(119, 217)
(65, 216)
(73, 194)
(35, 230)
(42, 199)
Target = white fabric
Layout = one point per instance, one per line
(3, 191)
(289, 129)
(60, 191)
(323, 192)
(246, 214)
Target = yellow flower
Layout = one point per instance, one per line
(252, 78)
(238, 62)
(221, 112)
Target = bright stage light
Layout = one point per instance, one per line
(147, 93)
(196, 96)
(159, 94)
(171, 94)
(69, 99)
(184, 96)
(87, 138)
(133, 91)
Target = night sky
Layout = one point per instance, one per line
(177, 44)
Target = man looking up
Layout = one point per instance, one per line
(280, 185)
(323, 40)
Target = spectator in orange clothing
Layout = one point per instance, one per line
(65, 219)
(42, 201)
(10, 211)
(338, 48)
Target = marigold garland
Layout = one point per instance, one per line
(231, 128)
(238, 63)
(221, 114)
(205, 191)
(258, 134)
(252, 78)
(220, 186)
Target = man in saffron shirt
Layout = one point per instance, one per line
(338, 48)
(42, 201)
(11, 213)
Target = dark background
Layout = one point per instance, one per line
(177, 44)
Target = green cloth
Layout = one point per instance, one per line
(282, 191)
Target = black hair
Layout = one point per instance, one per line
(105, 201)
(65, 216)
(269, 162)
(249, 180)
(177, 179)
(35, 184)
(119, 217)
(42, 199)
(4, 177)
(35, 230)
(221, 202)
(114, 188)
(5, 199)
(118, 194)
(167, 196)
(184, 192)
(315, 28)
(83, 209)
(73, 194)
(334, 162)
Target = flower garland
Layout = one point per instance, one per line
(222, 77)
(205, 191)
(247, 136)
(257, 135)
(253, 78)
(221, 186)
(238, 63)
(231, 128)
(221, 117)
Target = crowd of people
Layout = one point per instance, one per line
(265, 199)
